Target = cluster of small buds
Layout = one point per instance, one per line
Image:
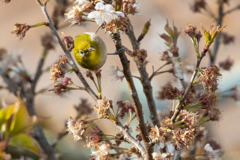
(61, 86)
(124, 108)
(227, 39)
(94, 138)
(162, 156)
(89, 74)
(195, 37)
(208, 99)
(76, 128)
(61, 82)
(210, 78)
(197, 5)
(213, 150)
(20, 30)
(131, 7)
(211, 35)
(103, 151)
(167, 122)
(56, 72)
(168, 92)
(117, 73)
(191, 31)
(226, 64)
(48, 41)
(102, 107)
(161, 135)
(139, 55)
(68, 42)
(84, 108)
(191, 118)
(183, 137)
(62, 60)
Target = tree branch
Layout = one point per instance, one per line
(130, 139)
(217, 40)
(136, 102)
(147, 87)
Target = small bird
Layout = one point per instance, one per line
(90, 51)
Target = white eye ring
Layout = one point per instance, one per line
(81, 52)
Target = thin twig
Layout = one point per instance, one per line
(161, 72)
(130, 139)
(180, 106)
(231, 10)
(154, 72)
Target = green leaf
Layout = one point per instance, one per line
(20, 119)
(25, 141)
(6, 113)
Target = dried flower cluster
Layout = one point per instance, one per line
(139, 56)
(76, 128)
(124, 108)
(102, 107)
(20, 30)
(60, 82)
(210, 78)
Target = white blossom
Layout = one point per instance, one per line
(104, 13)
(81, 2)
(72, 14)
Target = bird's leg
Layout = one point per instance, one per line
(118, 51)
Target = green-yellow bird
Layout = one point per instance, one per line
(90, 51)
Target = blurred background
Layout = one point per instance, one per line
(60, 108)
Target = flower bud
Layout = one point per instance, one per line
(20, 30)
(68, 42)
(145, 30)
